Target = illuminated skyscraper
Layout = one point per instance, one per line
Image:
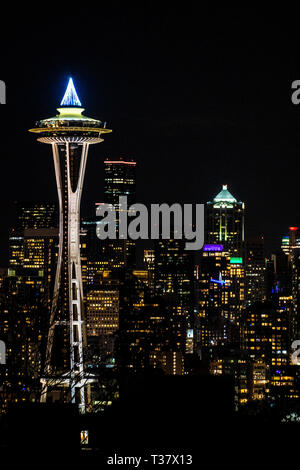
(33, 215)
(290, 242)
(213, 286)
(149, 259)
(220, 295)
(32, 257)
(266, 333)
(102, 317)
(173, 281)
(70, 134)
(102, 311)
(254, 270)
(225, 221)
(119, 180)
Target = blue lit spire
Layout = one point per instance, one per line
(70, 97)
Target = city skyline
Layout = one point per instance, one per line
(174, 338)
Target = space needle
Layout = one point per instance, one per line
(69, 133)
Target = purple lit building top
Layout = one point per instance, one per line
(212, 247)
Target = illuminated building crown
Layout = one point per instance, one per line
(224, 195)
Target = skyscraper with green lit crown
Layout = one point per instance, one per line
(225, 222)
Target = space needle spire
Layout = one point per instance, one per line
(70, 133)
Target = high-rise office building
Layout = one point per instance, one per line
(32, 259)
(30, 282)
(109, 262)
(102, 311)
(236, 275)
(254, 270)
(173, 281)
(258, 380)
(225, 222)
(282, 281)
(36, 215)
(149, 257)
(70, 133)
(119, 180)
(173, 271)
(290, 242)
(102, 318)
(144, 337)
(266, 334)
(219, 282)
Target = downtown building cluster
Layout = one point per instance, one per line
(229, 312)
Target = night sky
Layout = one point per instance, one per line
(198, 98)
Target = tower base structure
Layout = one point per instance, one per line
(62, 389)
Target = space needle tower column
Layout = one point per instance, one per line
(70, 133)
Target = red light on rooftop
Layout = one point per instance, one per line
(293, 229)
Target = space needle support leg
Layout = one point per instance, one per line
(52, 323)
(75, 284)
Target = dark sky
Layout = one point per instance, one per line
(199, 98)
